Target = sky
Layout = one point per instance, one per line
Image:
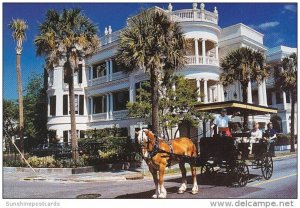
(277, 21)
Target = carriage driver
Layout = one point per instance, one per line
(221, 121)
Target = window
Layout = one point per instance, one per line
(76, 104)
(66, 136)
(120, 100)
(269, 97)
(99, 104)
(53, 105)
(80, 73)
(279, 99)
(81, 104)
(116, 67)
(288, 98)
(82, 134)
(65, 104)
(50, 78)
(99, 70)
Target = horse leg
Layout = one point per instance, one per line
(194, 176)
(163, 191)
(183, 185)
(155, 179)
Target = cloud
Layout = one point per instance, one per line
(279, 41)
(265, 25)
(290, 7)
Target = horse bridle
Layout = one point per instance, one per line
(146, 147)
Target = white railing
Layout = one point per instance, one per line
(99, 116)
(191, 60)
(119, 75)
(98, 80)
(120, 114)
(194, 15)
(212, 61)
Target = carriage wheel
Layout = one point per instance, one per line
(267, 167)
(241, 174)
(208, 170)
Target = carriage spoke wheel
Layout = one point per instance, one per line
(241, 174)
(207, 170)
(267, 167)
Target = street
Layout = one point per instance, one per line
(283, 184)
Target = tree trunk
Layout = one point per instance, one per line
(245, 100)
(154, 100)
(293, 122)
(21, 108)
(74, 143)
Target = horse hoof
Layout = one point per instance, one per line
(162, 196)
(194, 192)
(180, 192)
(154, 196)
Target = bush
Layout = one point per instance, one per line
(42, 162)
(283, 139)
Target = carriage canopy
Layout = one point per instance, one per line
(235, 106)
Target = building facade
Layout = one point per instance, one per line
(102, 89)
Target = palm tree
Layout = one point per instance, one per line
(155, 44)
(243, 65)
(285, 75)
(19, 27)
(68, 36)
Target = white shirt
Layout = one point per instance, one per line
(221, 121)
(256, 133)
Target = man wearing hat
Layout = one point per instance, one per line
(221, 121)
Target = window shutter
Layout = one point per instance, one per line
(80, 74)
(53, 105)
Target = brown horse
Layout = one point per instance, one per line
(156, 153)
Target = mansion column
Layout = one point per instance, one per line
(110, 69)
(222, 92)
(265, 92)
(284, 100)
(91, 107)
(249, 92)
(196, 50)
(111, 105)
(203, 51)
(217, 52)
(199, 89)
(107, 70)
(260, 94)
(132, 88)
(218, 92)
(205, 91)
(107, 106)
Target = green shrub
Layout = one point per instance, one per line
(42, 162)
(283, 139)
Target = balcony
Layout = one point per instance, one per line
(193, 15)
(115, 115)
(192, 60)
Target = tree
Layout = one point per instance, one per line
(155, 44)
(10, 117)
(176, 104)
(67, 37)
(35, 107)
(19, 27)
(285, 75)
(243, 65)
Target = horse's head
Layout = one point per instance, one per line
(144, 138)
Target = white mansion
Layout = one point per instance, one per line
(102, 89)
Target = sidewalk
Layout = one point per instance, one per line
(121, 175)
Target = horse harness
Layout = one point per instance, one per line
(157, 150)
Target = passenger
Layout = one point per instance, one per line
(271, 136)
(221, 121)
(237, 129)
(255, 135)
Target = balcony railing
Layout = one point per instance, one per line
(194, 15)
(191, 60)
(99, 116)
(98, 81)
(104, 40)
(119, 75)
(120, 114)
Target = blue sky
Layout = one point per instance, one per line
(277, 21)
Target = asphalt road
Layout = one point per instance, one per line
(283, 184)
